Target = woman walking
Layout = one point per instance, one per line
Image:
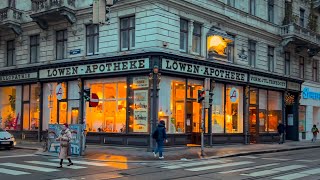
(65, 150)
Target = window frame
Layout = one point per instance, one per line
(287, 57)
(252, 7)
(11, 50)
(301, 17)
(301, 67)
(62, 42)
(37, 46)
(252, 53)
(270, 58)
(231, 3)
(315, 72)
(271, 11)
(93, 36)
(128, 30)
(186, 32)
(198, 35)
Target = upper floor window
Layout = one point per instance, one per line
(287, 63)
(270, 58)
(252, 7)
(301, 67)
(11, 53)
(12, 3)
(183, 35)
(315, 70)
(252, 53)
(127, 33)
(61, 44)
(196, 38)
(302, 17)
(231, 3)
(92, 36)
(271, 10)
(34, 48)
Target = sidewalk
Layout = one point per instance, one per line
(138, 154)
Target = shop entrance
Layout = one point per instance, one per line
(194, 121)
(253, 124)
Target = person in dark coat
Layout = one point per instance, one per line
(160, 136)
(281, 130)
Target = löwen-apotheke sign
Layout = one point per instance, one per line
(183, 67)
(100, 68)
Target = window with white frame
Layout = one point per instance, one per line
(196, 38)
(287, 63)
(127, 33)
(183, 35)
(270, 58)
(61, 44)
(301, 67)
(11, 53)
(271, 10)
(92, 36)
(252, 7)
(34, 48)
(252, 53)
(315, 65)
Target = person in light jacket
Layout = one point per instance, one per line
(65, 149)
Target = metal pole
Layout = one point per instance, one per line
(202, 129)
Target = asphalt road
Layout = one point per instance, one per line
(300, 164)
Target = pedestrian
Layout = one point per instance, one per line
(65, 149)
(281, 130)
(160, 136)
(315, 132)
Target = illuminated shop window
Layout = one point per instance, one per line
(234, 109)
(31, 107)
(220, 48)
(274, 110)
(110, 114)
(10, 107)
(193, 111)
(218, 109)
(302, 118)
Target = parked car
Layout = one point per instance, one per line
(6, 139)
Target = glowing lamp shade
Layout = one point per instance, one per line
(217, 44)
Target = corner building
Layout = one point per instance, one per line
(146, 64)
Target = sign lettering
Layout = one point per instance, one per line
(267, 81)
(16, 77)
(307, 94)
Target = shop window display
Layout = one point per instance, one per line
(263, 122)
(218, 109)
(49, 105)
(10, 107)
(302, 118)
(234, 109)
(274, 110)
(193, 110)
(31, 106)
(110, 114)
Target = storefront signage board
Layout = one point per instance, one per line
(17, 77)
(196, 69)
(140, 82)
(254, 79)
(140, 112)
(307, 94)
(108, 67)
(293, 86)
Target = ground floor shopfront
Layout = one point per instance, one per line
(136, 92)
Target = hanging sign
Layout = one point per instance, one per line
(59, 91)
(234, 95)
(94, 100)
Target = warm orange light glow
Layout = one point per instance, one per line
(217, 44)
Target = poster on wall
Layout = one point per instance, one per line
(140, 82)
(140, 112)
(290, 119)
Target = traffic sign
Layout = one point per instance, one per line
(94, 100)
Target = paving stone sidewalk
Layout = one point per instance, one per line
(135, 154)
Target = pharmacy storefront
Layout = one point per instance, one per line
(309, 109)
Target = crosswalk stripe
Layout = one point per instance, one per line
(54, 164)
(22, 166)
(277, 159)
(85, 163)
(299, 175)
(249, 157)
(274, 171)
(219, 166)
(15, 156)
(249, 168)
(12, 172)
(183, 165)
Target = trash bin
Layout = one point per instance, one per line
(303, 134)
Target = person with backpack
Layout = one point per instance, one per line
(160, 136)
(315, 132)
(281, 131)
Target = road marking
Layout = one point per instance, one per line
(305, 160)
(12, 172)
(299, 175)
(277, 159)
(219, 166)
(24, 155)
(35, 168)
(250, 157)
(183, 165)
(85, 163)
(55, 164)
(249, 168)
(274, 171)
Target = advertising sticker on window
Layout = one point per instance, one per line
(140, 111)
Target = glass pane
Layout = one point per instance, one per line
(218, 109)
(89, 45)
(34, 107)
(183, 25)
(253, 96)
(302, 119)
(110, 91)
(124, 39)
(274, 109)
(196, 43)
(73, 111)
(193, 87)
(98, 89)
(124, 23)
(64, 50)
(183, 41)
(63, 107)
(196, 117)
(96, 43)
(132, 38)
(196, 29)
(132, 22)
(26, 117)
(122, 90)
(234, 109)
(26, 93)
(34, 54)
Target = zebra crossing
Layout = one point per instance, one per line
(45, 166)
(279, 170)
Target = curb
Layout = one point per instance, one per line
(28, 148)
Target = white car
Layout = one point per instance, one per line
(6, 139)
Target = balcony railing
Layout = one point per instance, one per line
(294, 30)
(45, 5)
(10, 14)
